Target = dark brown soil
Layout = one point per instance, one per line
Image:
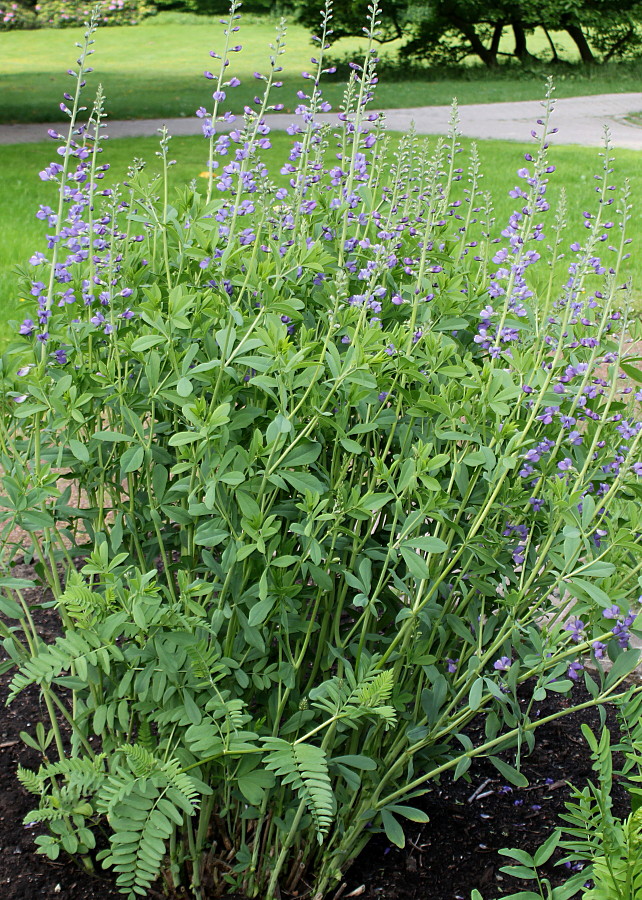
(443, 860)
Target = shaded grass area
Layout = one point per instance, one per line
(21, 233)
(156, 70)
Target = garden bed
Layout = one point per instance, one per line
(443, 860)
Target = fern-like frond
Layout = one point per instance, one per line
(370, 697)
(81, 775)
(80, 602)
(141, 760)
(143, 806)
(143, 765)
(145, 736)
(30, 781)
(305, 768)
(205, 661)
(375, 690)
(137, 847)
(51, 660)
(45, 814)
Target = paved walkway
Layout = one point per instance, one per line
(580, 120)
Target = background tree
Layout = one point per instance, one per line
(447, 31)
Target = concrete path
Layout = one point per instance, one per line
(580, 120)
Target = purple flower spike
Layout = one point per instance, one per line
(612, 612)
(502, 664)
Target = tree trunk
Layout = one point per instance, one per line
(488, 55)
(497, 36)
(582, 44)
(553, 47)
(521, 50)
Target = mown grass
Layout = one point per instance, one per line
(21, 233)
(155, 70)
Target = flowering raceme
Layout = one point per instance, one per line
(356, 467)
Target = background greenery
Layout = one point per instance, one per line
(155, 70)
(437, 31)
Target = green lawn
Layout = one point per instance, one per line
(155, 69)
(21, 233)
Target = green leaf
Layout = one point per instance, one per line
(177, 514)
(19, 583)
(184, 387)
(284, 562)
(623, 665)
(588, 588)
(146, 342)
(632, 371)
(248, 505)
(480, 458)
(373, 502)
(462, 767)
(559, 687)
(79, 450)
(417, 565)
(10, 608)
(520, 856)
(304, 453)
(36, 519)
(112, 436)
(519, 872)
(160, 477)
(394, 831)
(544, 853)
(219, 417)
(509, 772)
(254, 784)
(303, 481)
(260, 611)
(226, 338)
(210, 533)
(351, 446)
(356, 761)
(184, 437)
(599, 568)
(304, 767)
(475, 695)
(132, 459)
(409, 812)
(429, 544)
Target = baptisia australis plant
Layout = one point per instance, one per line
(318, 465)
